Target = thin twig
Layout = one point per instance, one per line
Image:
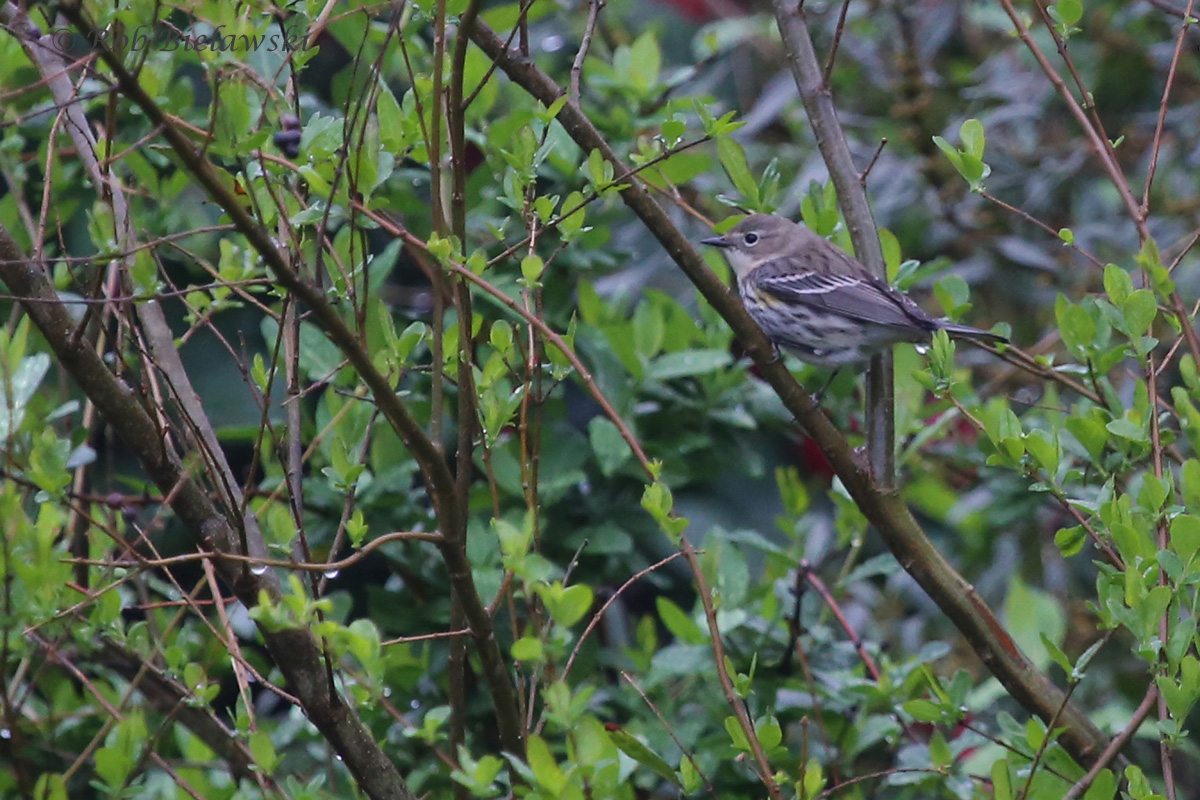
(598, 617)
(1025, 215)
(594, 8)
(1115, 746)
(1162, 106)
(1047, 740)
(670, 732)
(862, 177)
(1164, 622)
(838, 30)
(288, 564)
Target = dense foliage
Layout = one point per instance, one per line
(366, 433)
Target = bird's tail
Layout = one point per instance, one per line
(967, 332)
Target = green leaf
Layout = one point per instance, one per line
(736, 734)
(1069, 11)
(733, 159)
(1104, 787)
(645, 61)
(1139, 311)
(814, 779)
(1002, 787)
(679, 623)
(1128, 429)
(1043, 446)
(953, 293)
(649, 329)
(1149, 257)
(971, 133)
(545, 769)
(923, 710)
(1056, 654)
(689, 777)
(950, 151)
(1091, 433)
(1185, 537)
(263, 751)
(891, 253)
(608, 445)
(1154, 493)
(770, 734)
(50, 786)
(532, 268)
(1117, 284)
(1031, 614)
(566, 605)
(1075, 324)
(514, 542)
(1070, 540)
(643, 755)
(1191, 484)
(687, 363)
(528, 648)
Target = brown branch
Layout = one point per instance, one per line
(1047, 740)
(884, 509)
(433, 466)
(468, 412)
(852, 199)
(1100, 145)
(1115, 746)
(599, 615)
(294, 651)
(594, 8)
(838, 30)
(1103, 149)
(166, 695)
(1162, 107)
(1164, 623)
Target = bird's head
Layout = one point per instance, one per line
(760, 238)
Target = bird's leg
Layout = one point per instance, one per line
(816, 398)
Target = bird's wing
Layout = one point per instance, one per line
(857, 295)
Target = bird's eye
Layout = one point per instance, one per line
(750, 239)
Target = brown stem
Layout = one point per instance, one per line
(467, 412)
(1115, 746)
(294, 650)
(885, 509)
(831, 141)
(1162, 107)
(430, 461)
(594, 8)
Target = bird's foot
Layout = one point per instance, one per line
(816, 398)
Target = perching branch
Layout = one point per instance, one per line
(852, 199)
(883, 508)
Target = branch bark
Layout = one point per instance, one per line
(294, 651)
(429, 458)
(831, 141)
(884, 508)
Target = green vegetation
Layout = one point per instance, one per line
(372, 424)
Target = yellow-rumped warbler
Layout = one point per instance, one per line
(817, 302)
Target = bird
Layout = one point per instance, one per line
(819, 303)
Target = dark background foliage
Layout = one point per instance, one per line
(1058, 481)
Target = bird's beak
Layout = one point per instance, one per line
(717, 241)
